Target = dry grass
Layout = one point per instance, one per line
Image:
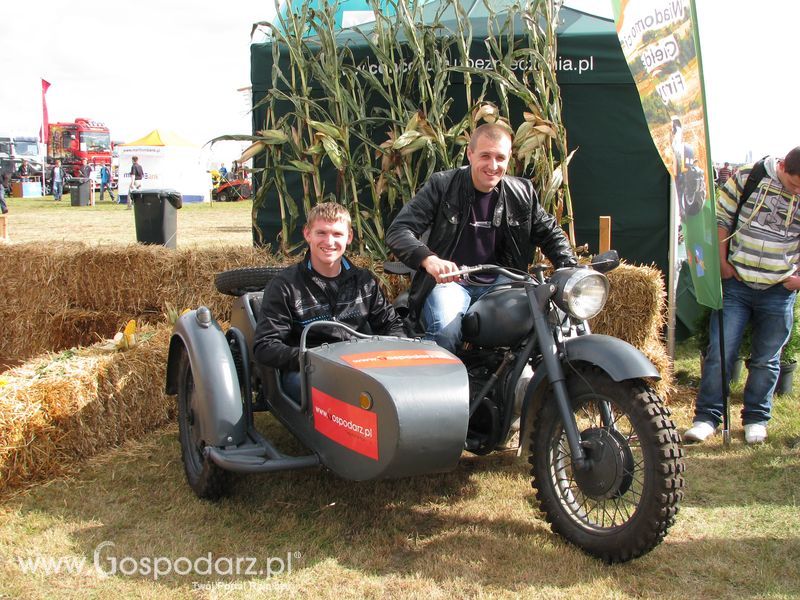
(472, 533)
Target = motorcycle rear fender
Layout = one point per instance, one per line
(619, 359)
(218, 400)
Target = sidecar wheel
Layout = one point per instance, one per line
(238, 282)
(622, 507)
(206, 479)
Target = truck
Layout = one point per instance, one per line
(13, 149)
(82, 139)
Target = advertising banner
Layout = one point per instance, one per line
(660, 42)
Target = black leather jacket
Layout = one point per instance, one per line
(298, 295)
(442, 206)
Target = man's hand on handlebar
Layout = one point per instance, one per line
(440, 269)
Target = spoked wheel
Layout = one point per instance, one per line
(622, 505)
(205, 478)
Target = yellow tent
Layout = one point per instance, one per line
(161, 138)
(169, 162)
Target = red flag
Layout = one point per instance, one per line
(44, 132)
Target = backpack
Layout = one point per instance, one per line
(757, 173)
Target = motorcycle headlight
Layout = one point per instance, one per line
(580, 292)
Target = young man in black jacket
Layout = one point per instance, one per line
(475, 215)
(323, 286)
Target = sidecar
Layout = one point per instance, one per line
(373, 407)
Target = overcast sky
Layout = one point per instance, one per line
(177, 65)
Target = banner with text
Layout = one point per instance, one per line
(661, 45)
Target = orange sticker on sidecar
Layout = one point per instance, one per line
(399, 358)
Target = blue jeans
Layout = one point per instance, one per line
(770, 314)
(103, 188)
(58, 187)
(290, 382)
(444, 307)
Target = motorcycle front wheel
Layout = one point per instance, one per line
(622, 505)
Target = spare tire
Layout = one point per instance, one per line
(238, 282)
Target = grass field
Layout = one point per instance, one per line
(31, 220)
(472, 533)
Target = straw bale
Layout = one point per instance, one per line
(54, 296)
(59, 409)
(635, 308)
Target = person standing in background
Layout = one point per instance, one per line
(137, 174)
(86, 173)
(105, 182)
(57, 176)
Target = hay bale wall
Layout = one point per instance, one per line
(55, 296)
(61, 408)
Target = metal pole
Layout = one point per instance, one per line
(726, 388)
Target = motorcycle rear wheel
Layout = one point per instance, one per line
(623, 506)
(208, 481)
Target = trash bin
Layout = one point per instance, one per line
(156, 216)
(80, 191)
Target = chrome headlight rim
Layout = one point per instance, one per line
(571, 283)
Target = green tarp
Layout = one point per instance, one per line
(616, 170)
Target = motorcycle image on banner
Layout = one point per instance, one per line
(605, 455)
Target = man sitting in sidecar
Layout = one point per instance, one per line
(323, 286)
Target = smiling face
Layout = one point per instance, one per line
(488, 158)
(327, 241)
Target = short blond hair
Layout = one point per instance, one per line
(330, 212)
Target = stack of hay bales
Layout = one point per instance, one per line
(55, 296)
(59, 409)
(635, 312)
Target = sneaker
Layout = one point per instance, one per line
(755, 433)
(699, 432)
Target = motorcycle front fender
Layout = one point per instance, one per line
(217, 402)
(619, 359)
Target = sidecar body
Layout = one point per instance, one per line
(376, 407)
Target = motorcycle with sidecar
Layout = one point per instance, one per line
(605, 455)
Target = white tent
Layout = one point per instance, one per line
(169, 162)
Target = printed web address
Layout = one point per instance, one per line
(155, 567)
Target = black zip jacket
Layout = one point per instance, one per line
(298, 295)
(442, 206)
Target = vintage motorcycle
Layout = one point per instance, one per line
(606, 461)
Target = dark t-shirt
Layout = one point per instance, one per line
(136, 171)
(480, 238)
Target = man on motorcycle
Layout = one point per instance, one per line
(323, 286)
(476, 215)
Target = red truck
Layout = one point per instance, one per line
(72, 142)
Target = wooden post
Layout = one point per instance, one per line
(605, 234)
(3, 227)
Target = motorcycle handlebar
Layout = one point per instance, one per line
(514, 276)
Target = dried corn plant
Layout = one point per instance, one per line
(384, 123)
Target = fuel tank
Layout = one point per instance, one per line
(386, 408)
(499, 318)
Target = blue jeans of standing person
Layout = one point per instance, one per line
(103, 188)
(444, 307)
(58, 188)
(770, 314)
(3, 207)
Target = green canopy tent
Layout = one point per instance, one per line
(616, 169)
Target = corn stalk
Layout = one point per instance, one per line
(321, 95)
